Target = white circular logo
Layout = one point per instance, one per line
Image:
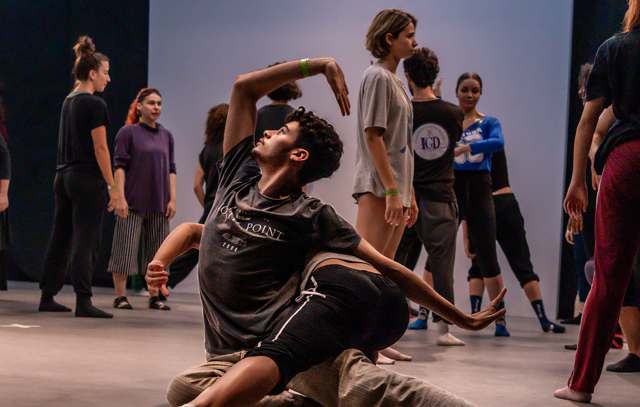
(430, 141)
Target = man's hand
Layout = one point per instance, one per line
(462, 149)
(157, 276)
(412, 211)
(338, 84)
(482, 319)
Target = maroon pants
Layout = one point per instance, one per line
(617, 241)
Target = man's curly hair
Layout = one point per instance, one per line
(322, 142)
(422, 67)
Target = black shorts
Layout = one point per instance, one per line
(341, 308)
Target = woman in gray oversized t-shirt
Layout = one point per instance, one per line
(384, 160)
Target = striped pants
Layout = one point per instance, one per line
(149, 229)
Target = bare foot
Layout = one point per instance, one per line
(395, 355)
(566, 393)
(383, 360)
(449, 340)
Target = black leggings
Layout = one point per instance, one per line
(341, 308)
(80, 201)
(475, 202)
(511, 236)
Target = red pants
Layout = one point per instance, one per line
(617, 241)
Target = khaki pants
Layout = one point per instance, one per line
(350, 380)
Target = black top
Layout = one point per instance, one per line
(5, 160)
(81, 113)
(271, 117)
(499, 170)
(253, 251)
(209, 158)
(437, 126)
(616, 77)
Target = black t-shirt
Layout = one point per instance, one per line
(81, 113)
(437, 127)
(209, 159)
(271, 117)
(499, 170)
(616, 77)
(253, 250)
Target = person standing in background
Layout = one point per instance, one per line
(207, 175)
(384, 157)
(83, 178)
(146, 176)
(482, 136)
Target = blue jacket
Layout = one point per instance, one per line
(485, 137)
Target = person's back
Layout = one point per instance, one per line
(618, 80)
(437, 126)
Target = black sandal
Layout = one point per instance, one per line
(121, 303)
(156, 303)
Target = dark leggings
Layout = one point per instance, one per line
(512, 238)
(475, 201)
(341, 308)
(80, 200)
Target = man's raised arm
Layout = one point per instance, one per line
(249, 87)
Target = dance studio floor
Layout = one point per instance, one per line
(56, 360)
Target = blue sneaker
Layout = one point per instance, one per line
(501, 330)
(418, 324)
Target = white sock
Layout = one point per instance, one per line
(446, 338)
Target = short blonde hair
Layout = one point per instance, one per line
(632, 16)
(389, 21)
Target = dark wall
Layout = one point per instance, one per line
(35, 65)
(593, 22)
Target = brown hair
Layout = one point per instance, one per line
(87, 59)
(422, 67)
(216, 121)
(133, 116)
(288, 91)
(632, 16)
(389, 21)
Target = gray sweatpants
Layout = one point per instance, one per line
(350, 380)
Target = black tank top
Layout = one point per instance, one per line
(499, 171)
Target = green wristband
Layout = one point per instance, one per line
(391, 192)
(304, 67)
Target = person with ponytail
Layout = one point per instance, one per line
(614, 80)
(83, 179)
(146, 179)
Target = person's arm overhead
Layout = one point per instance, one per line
(250, 87)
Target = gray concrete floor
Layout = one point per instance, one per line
(128, 361)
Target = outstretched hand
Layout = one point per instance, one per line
(338, 84)
(482, 319)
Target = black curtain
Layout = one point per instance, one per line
(35, 65)
(593, 22)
